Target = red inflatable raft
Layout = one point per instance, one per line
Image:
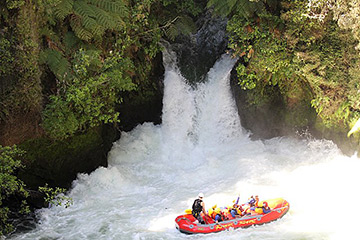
(279, 207)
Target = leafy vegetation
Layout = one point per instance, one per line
(307, 60)
(56, 197)
(89, 96)
(10, 162)
(88, 53)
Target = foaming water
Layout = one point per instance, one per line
(155, 172)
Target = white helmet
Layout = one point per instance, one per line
(201, 195)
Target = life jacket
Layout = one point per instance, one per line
(262, 210)
(196, 207)
(210, 211)
(259, 210)
(239, 210)
(213, 214)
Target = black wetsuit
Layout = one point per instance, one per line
(196, 210)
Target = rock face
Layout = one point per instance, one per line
(144, 106)
(57, 163)
(265, 121)
(198, 52)
(276, 119)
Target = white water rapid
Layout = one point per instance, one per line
(155, 173)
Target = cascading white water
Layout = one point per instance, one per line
(155, 172)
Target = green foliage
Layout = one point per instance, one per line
(345, 12)
(6, 58)
(181, 25)
(263, 51)
(57, 63)
(245, 8)
(175, 17)
(13, 4)
(56, 196)
(326, 64)
(92, 51)
(9, 183)
(91, 18)
(92, 71)
(88, 98)
(19, 74)
(185, 6)
(307, 60)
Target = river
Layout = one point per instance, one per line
(156, 171)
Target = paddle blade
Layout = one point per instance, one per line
(188, 211)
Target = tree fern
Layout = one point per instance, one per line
(185, 24)
(180, 25)
(56, 62)
(118, 6)
(247, 9)
(222, 7)
(70, 40)
(63, 9)
(228, 7)
(171, 32)
(91, 18)
(105, 19)
(82, 8)
(78, 29)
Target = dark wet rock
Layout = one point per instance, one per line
(198, 52)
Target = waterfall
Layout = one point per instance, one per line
(156, 171)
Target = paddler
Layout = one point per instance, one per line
(198, 207)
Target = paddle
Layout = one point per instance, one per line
(188, 211)
(238, 199)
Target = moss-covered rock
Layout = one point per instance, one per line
(58, 162)
(275, 117)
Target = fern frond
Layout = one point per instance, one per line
(245, 8)
(88, 22)
(104, 19)
(185, 25)
(120, 22)
(83, 9)
(70, 40)
(171, 32)
(89, 25)
(222, 7)
(90, 18)
(78, 29)
(56, 62)
(116, 6)
(63, 9)
(98, 30)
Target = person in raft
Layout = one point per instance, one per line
(236, 211)
(219, 217)
(263, 208)
(198, 207)
(251, 201)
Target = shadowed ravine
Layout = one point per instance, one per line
(155, 172)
